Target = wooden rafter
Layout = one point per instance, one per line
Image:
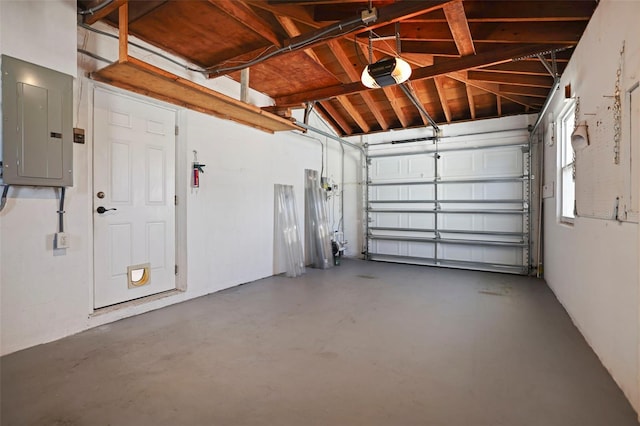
(441, 68)
(386, 15)
(529, 11)
(522, 80)
(393, 94)
(296, 13)
(292, 30)
(239, 11)
(100, 14)
(345, 63)
(464, 46)
(457, 20)
(337, 117)
(491, 88)
(472, 104)
(536, 92)
(354, 113)
(418, 98)
(123, 32)
(439, 82)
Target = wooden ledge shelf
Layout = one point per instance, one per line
(140, 77)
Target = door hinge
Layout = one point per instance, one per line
(176, 269)
(177, 130)
(175, 200)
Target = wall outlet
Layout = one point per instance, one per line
(61, 240)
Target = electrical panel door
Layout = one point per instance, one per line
(37, 129)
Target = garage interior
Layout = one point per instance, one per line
(323, 212)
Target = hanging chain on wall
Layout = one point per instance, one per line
(576, 117)
(617, 111)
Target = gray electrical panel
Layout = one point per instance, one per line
(37, 125)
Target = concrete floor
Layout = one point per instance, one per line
(362, 344)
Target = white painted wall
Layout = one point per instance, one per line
(226, 226)
(592, 266)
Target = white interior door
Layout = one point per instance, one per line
(133, 199)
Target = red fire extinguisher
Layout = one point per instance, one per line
(197, 169)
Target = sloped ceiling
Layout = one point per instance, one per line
(471, 59)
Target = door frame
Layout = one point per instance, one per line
(181, 183)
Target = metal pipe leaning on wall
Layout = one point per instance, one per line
(342, 144)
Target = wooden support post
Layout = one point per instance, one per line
(244, 85)
(123, 32)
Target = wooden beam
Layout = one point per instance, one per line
(337, 10)
(409, 87)
(457, 20)
(393, 94)
(567, 33)
(439, 82)
(140, 77)
(472, 103)
(123, 32)
(298, 14)
(337, 117)
(441, 68)
(440, 48)
(523, 67)
(491, 88)
(242, 13)
(292, 30)
(536, 92)
(499, 105)
(353, 112)
(522, 80)
(102, 13)
(329, 120)
(313, 2)
(386, 15)
(529, 11)
(354, 75)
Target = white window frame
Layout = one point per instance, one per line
(566, 157)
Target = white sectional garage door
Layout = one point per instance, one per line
(461, 202)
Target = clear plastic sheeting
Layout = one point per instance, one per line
(287, 231)
(318, 237)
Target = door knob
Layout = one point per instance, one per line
(102, 209)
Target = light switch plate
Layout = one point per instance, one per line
(61, 240)
(547, 190)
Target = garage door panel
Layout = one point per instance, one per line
(501, 190)
(502, 223)
(456, 191)
(478, 217)
(458, 221)
(502, 162)
(388, 247)
(386, 220)
(426, 250)
(387, 168)
(456, 165)
(422, 192)
(421, 221)
(386, 193)
(500, 255)
(420, 166)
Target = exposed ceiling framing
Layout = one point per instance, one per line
(462, 52)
